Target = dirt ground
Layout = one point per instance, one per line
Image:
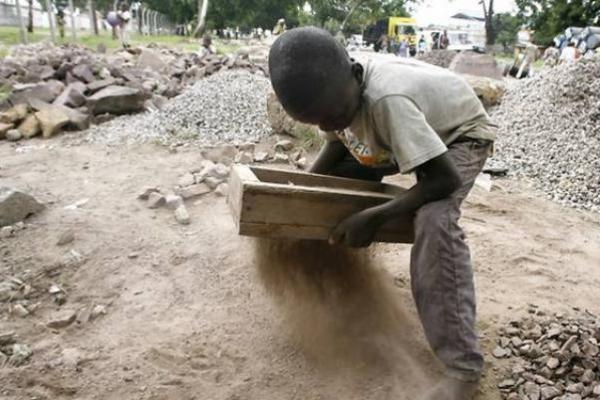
(187, 316)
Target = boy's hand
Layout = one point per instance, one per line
(357, 230)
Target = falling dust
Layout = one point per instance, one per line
(346, 316)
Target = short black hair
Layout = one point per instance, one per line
(302, 63)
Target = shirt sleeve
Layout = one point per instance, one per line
(401, 124)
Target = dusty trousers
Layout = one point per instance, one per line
(440, 265)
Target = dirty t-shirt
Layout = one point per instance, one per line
(410, 111)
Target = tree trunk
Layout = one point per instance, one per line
(50, 11)
(202, 10)
(488, 13)
(140, 19)
(350, 13)
(73, 28)
(93, 20)
(30, 16)
(22, 30)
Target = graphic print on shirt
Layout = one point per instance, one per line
(363, 153)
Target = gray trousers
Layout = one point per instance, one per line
(440, 265)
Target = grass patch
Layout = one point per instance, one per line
(310, 138)
(5, 92)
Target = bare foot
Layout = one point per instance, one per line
(452, 389)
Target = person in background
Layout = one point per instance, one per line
(570, 54)
(118, 21)
(207, 47)
(382, 44)
(529, 57)
(422, 45)
(279, 27)
(60, 22)
(403, 49)
(444, 40)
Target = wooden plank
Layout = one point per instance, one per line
(239, 175)
(273, 175)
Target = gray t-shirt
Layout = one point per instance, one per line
(410, 112)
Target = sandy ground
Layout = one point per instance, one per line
(188, 318)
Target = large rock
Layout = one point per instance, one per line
(15, 206)
(84, 73)
(52, 120)
(471, 63)
(101, 84)
(72, 96)
(151, 59)
(47, 91)
(14, 114)
(78, 120)
(282, 123)
(5, 128)
(30, 127)
(489, 91)
(117, 100)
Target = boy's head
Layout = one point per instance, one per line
(314, 78)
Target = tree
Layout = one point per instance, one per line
(488, 14)
(506, 28)
(30, 16)
(548, 18)
(202, 10)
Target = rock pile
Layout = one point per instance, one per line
(226, 107)
(441, 58)
(550, 132)
(55, 88)
(556, 357)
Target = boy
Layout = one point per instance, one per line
(400, 116)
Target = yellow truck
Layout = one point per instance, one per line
(396, 29)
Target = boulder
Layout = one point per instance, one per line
(282, 123)
(471, 63)
(47, 91)
(72, 96)
(4, 128)
(489, 91)
(30, 127)
(78, 119)
(99, 85)
(151, 59)
(116, 100)
(84, 73)
(52, 120)
(14, 114)
(15, 206)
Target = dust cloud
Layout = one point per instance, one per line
(342, 310)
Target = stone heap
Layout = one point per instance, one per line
(441, 58)
(49, 89)
(550, 133)
(554, 357)
(226, 107)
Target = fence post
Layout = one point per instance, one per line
(73, 28)
(22, 30)
(51, 20)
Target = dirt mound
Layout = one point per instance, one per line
(441, 58)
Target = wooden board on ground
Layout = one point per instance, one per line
(279, 203)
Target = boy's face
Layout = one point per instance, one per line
(336, 108)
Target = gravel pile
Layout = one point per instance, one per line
(441, 58)
(550, 132)
(226, 107)
(555, 357)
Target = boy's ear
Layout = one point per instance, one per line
(357, 70)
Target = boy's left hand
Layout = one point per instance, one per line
(357, 230)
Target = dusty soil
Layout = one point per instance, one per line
(187, 315)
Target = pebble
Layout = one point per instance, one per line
(156, 200)
(20, 310)
(194, 191)
(20, 354)
(62, 319)
(222, 190)
(261, 156)
(182, 215)
(173, 201)
(213, 182)
(284, 145)
(65, 238)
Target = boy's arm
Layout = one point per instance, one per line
(331, 153)
(438, 179)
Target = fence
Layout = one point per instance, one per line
(152, 22)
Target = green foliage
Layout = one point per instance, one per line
(506, 28)
(548, 18)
